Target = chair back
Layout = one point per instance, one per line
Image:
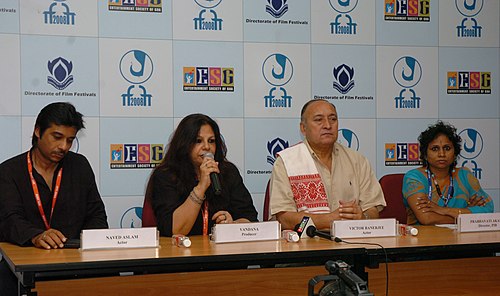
(148, 215)
(392, 186)
(265, 213)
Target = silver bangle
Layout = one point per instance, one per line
(367, 217)
(195, 198)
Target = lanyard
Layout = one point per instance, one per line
(37, 194)
(450, 188)
(205, 218)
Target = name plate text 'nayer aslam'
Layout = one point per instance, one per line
(244, 232)
(364, 228)
(478, 222)
(147, 237)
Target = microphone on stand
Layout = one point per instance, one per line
(214, 177)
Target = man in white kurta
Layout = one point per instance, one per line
(321, 178)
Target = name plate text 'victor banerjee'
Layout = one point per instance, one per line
(364, 228)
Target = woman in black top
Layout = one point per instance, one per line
(180, 191)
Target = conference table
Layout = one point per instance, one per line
(438, 261)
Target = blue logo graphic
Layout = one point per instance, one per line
(136, 67)
(348, 138)
(60, 73)
(343, 24)
(59, 14)
(472, 146)
(407, 73)
(276, 8)
(274, 147)
(277, 70)
(207, 19)
(343, 76)
(469, 9)
(132, 218)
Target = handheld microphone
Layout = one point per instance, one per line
(214, 177)
(311, 231)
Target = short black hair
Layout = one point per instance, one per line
(58, 113)
(304, 108)
(431, 133)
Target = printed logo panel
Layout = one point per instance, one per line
(135, 156)
(135, 5)
(136, 77)
(277, 70)
(214, 79)
(402, 154)
(215, 20)
(277, 21)
(343, 22)
(55, 70)
(407, 10)
(58, 17)
(466, 82)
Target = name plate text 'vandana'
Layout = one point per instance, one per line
(244, 232)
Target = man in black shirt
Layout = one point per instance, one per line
(49, 194)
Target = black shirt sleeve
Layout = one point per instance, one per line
(78, 206)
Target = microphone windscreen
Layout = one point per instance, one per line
(209, 155)
(311, 231)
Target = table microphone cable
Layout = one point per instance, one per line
(311, 231)
(339, 240)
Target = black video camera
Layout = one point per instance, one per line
(340, 282)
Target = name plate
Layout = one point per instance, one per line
(478, 222)
(363, 228)
(245, 232)
(147, 237)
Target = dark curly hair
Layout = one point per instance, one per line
(431, 133)
(178, 156)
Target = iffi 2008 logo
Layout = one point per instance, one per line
(274, 147)
(60, 73)
(472, 146)
(132, 218)
(59, 14)
(277, 70)
(136, 67)
(348, 138)
(343, 24)
(207, 19)
(407, 73)
(469, 26)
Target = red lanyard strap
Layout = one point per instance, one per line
(37, 193)
(205, 218)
